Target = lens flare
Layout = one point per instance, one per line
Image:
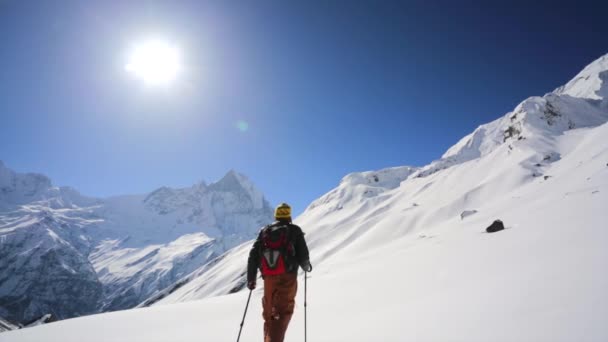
(242, 125)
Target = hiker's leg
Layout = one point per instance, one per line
(268, 310)
(284, 305)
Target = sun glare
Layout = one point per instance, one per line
(155, 62)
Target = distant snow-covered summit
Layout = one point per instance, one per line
(582, 102)
(591, 83)
(23, 188)
(112, 253)
(142, 236)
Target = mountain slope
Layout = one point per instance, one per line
(44, 266)
(148, 243)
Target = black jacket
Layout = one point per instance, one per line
(295, 237)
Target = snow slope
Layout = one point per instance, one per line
(43, 264)
(396, 260)
(222, 277)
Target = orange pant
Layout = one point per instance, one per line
(278, 304)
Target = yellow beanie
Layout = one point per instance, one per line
(283, 211)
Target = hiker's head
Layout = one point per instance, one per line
(283, 212)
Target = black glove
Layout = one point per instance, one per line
(251, 285)
(306, 266)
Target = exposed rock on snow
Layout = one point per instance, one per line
(48, 318)
(496, 226)
(6, 325)
(467, 213)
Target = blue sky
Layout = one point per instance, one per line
(325, 87)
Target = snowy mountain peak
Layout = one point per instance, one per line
(358, 187)
(388, 178)
(230, 181)
(17, 188)
(236, 182)
(23, 188)
(166, 200)
(202, 185)
(591, 83)
(582, 102)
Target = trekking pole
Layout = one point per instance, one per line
(245, 314)
(305, 277)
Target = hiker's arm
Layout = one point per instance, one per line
(302, 251)
(254, 261)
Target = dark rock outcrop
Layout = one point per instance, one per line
(496, 226)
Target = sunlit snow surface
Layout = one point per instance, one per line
(395, 261)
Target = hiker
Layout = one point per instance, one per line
(278, 251)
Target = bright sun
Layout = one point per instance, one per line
(155, 62)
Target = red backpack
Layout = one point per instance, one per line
(276, 247)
